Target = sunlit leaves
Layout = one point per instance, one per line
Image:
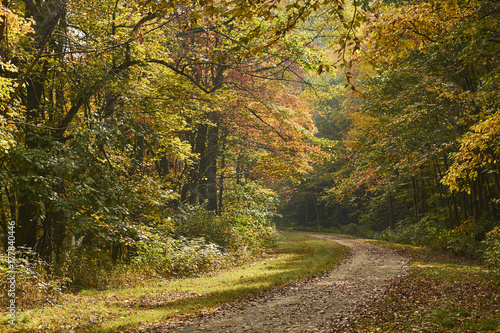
(13, 33)
(427, 107)
(397, 31)
(274, 126)
(479, 153)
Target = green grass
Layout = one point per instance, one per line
(297, 257)
(441, 293)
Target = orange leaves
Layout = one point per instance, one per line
(137, 35)
(273, 125)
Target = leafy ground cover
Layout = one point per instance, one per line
(296, 257)
(441, 293)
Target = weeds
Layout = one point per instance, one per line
(157, 301)
(36, 283)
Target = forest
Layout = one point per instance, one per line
(416, 148)
(174, 138)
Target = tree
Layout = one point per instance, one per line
(119, 109)
(426, 81)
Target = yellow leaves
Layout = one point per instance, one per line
(466, 228)
(174, 146)
(323, 68)
(479, 152)
(6, 88)
(18, 26)
(8, 66)
(397, 31)
(7, 139)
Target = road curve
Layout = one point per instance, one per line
(325, 304)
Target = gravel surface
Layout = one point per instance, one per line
(330, 303)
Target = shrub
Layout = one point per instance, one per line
(433, 234)
(34, 280)
(180, 257)
(492, 252)
(357, 230)
(245, 225)
(85, 268)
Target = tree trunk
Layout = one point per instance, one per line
(192, 188)
(307, 212)
(26, 225)
(391, 211)
(54, 230)
(443, 194)
(238, 170)
(490, 194)
(318, 220)
(473, 199)
(415, 199)
(221, 179)
(211, 170)
(116, 252)
(3, 24)
(423, 197)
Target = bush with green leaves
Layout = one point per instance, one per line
(245, 225)
(85, 267)
(433, 234)
(185, 242)
(355, 229)
(169, 257)
(492, 252)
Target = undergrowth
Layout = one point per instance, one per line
(159, 301)
(185, 241)
(472, 239)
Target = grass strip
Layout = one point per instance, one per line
(441, 293)
(297, 257)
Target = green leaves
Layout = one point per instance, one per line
(424, 114)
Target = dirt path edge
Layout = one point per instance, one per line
(330, 303)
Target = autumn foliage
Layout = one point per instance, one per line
(418, 153)
(131, 129)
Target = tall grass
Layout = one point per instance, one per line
(162, 300)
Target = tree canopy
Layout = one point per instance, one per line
(417, 153)
(124, 122)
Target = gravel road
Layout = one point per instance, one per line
(329, 303)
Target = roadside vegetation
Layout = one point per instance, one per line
(441, 293)
(155, 300)
(137, 139)
(187, 242)
(146, 141)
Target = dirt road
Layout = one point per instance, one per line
(326, 304)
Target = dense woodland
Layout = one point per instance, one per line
(172, 136)
(416, 158)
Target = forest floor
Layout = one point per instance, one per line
(306, 284)
(330, 303)
(153, 302)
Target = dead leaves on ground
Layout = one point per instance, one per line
(440, 294)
